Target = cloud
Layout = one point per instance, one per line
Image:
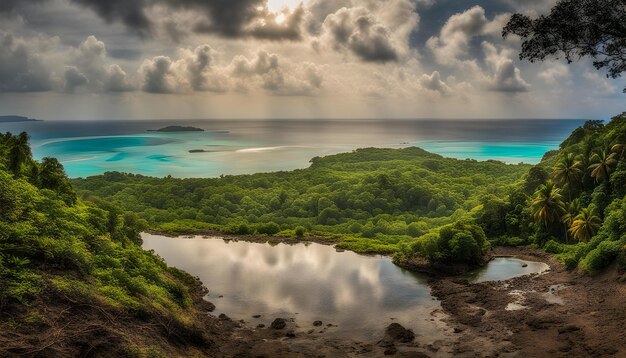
(361, 32)
(433, 82)
(452, 44)
(157, 75)
(600, 84)
(233, 18)
(90, 59)
(23, 64)
(197, 70)
(267, 71)
(130, 12)
(117, 80)
(555, 73)
(506, 76)
(74, 79)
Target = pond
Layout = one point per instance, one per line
(359, 294)
(504, 268)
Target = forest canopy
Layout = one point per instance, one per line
(406, 201)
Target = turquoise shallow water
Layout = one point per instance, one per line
(243, 147)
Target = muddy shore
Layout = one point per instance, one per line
(558, 313)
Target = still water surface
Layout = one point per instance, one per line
(309, 282)
(504, 268)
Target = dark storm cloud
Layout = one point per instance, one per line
(130, 12)
(22, 69)
(7, 6)
(357, 30)
(229, 18)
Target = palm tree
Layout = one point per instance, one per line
(571, 211)
(586, 225)
(619, 150)
(547, 206)
(602, 163)
(567, 171)
(19, 152)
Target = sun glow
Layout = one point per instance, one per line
(277, 5)
(280, 19)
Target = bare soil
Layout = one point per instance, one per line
(559, 313)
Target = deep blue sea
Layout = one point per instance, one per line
(249, 146)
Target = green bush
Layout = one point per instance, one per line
(270, 228)
(601, 257)
(300, 231)
(553, 247)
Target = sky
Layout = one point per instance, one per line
(193, 59)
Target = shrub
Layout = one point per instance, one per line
(238, 229)
(601, 257)
(270, 228)
(462, 242)
(300, 230)
(417, 229)
(553, 247)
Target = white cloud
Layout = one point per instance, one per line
(371, 31)
(555, 73)
(433, 82)
(506, 76)
(451, 47)
(267, 71)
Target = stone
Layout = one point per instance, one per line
(398, 333)
(279, 323)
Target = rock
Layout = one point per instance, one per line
(568, 329)
(400, 334)
(390, 351)
(317, 323)
(457, 330)
(279, 323)
(260, 325)
(524, 265)
(224, 317)
(256, 316)
(290, 334)
(385, 343)
(208, 306)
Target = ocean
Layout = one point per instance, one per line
(230, 147)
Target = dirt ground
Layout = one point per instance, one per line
(558, 313)
(554, 314)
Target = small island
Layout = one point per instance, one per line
(14, 119)
(171, 129)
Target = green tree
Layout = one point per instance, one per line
(586, 225)
(602, 163)
(571, 212)
(619, 150)
(567, 171)
(547, 206)
(52, 176)
(19, 153)
(575, 29)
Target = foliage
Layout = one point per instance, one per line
(372, 199)
(51, 244)
(594, 212)
(575, 29)
(407, 201)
